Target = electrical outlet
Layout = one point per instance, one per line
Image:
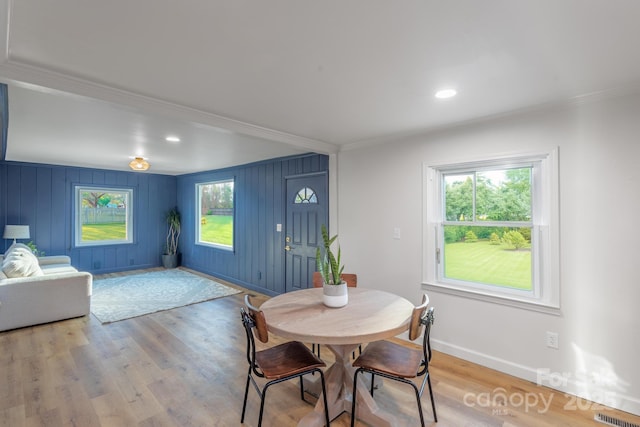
(396, 233)
(552, 340)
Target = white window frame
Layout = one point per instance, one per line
(78, 189)
(197, 216)
(545, 264)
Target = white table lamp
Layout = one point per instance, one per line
(16, 232)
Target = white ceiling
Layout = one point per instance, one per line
(94, 83)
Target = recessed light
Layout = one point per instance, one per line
(446, 93)
(172, 138)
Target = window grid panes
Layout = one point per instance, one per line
(487, 227)
(306, 195)
(491, 230)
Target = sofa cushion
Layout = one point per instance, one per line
(16, 245)
(20, 262)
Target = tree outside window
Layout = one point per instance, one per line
(491, 230)
(487, 230)
(103, 216)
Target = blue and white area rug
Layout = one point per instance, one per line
(119, 298)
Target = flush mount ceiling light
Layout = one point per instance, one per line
(172, 138)
(446, 93)
(139, 164)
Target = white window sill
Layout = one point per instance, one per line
(507, 300)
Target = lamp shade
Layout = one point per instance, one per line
(16, 232)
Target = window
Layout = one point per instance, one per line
(306, 195)
(103, 216)
(216, 207)
(492, 230)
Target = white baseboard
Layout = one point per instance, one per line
(591, 396)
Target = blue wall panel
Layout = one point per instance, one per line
(42, 196)
(257, 261)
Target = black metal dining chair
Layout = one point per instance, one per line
(398, 362)
(276, 364)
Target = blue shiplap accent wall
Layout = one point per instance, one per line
(42, 197)
(258, 259)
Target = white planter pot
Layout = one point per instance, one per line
(335, 296)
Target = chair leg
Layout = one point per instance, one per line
(425, 381)
(246, 394)
(433, 402)
(415, 388)
(372, 383)
(418, 393)
(263, 397)
(359, 352)
(324, 396)
(353, 397)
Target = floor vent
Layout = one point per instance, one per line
(615, 422)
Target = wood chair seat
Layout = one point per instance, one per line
(390, 358)
(285, 360)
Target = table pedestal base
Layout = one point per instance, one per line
(339, 384)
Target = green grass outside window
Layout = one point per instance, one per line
(101, 232)
(217, 229)
(490, 264)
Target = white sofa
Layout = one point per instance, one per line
(54, 291)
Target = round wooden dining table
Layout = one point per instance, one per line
(370, 315)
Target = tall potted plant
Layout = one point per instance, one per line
(170, 256)
(330, 268)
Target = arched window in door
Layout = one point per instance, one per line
(306, 195)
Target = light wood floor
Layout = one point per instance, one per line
(187, 367)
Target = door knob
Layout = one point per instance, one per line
(287, 248)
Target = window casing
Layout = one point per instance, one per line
(510, 206)
(103, 216)
(216, 214)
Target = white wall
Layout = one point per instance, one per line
(380, 188)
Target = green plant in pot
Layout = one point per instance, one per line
(330, 268)
(170, 256)
(34, 249)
